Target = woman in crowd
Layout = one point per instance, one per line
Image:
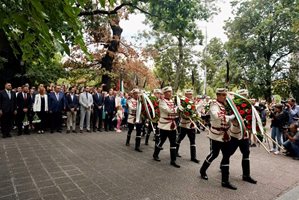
(40, 107)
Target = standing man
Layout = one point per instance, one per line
(132, 104)
(243, 143)
(86, 102)
(24, 105)
(72, 105)
(219, 138)
(56, 106)
(167, 125)
(187, 128)
(109, 104)
(155, 101)
(8, 109)
(98, 101)
(293, 110)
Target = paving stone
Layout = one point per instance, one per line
(49, 190)
(45, 183)
(28, 195)
(25, 187)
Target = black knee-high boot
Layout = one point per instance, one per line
(146, 138)
(128, 140)
(137, 144)
(203, 170)
(173, 157)
(156, 153)
(246, 172)
(193, 154)
(225, 178)
(177, 150)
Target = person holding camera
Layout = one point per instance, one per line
(292, 144)
(279, 118)
(293, 110)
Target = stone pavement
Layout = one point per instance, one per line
(99, 166)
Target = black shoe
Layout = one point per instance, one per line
(156, 158)
(19, 134)
(100, 130)
(228, 185)
(4, 136)
(51, 131)
(138, 150)
(68, 131)
(174, 164)
(146, 143)
(127, 144)
(195, 160)
(253, 145)
(178, 155)
(249, 179)
(94, 130)
(106, 130)
(204, 176)
(111, 129)
(81, 131)
(59, 131)
(74, 131)
(8, 135)
(88, 131)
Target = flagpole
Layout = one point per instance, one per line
(204, 53)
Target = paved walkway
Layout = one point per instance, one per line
(99, 166)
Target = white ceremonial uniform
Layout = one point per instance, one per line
(168, 114)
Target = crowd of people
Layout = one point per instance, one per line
(89, 109)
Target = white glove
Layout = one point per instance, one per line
(229, 117)
(181, 108)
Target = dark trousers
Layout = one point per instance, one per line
(43, 117)
(125, 119)
(171, 135)
(6, 123)
(108, 121)
(56, 121)
(243, 144)
(189, 132)
(216, 147)
(97, 117)
(20, 118)
(138, 134)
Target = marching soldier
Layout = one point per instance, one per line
(132, 105)
(187, 128)
(242, 143)
(157, 94)
(219, 138)
(167, 125)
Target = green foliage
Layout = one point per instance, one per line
(260, 37)
(45, 72)
(37, 29)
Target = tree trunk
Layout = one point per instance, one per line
(268, 86)
(179, 64)
(107, 60)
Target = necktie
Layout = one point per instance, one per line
(86, 95)
(9, 95)
(25, 96)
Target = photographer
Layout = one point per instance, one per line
(292, 144)
(279, 119)
(293, 110)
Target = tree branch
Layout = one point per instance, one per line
(279, 58)
(114, 11)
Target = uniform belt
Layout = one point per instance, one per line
(220, 129)
(168, 118)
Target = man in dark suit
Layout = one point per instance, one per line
(7, 109)
(71, 105)
(98, 101)
(56, 106)
(109, 104)
(24, 105)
